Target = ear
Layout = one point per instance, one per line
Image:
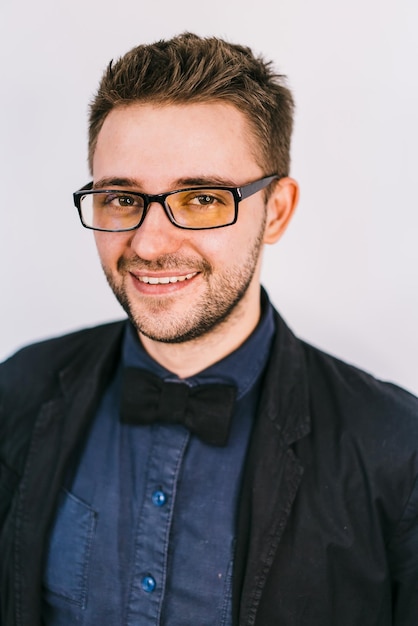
(280, 208)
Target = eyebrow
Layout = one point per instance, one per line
(103, 183)
(193, 181)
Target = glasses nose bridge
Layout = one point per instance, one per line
(158, 198)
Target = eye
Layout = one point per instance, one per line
(121, 200)
(204, 199)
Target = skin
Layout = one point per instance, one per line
(189, 324)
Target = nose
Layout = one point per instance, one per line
(156, 236)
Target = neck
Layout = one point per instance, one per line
(188, 358)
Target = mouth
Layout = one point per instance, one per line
(162, 283)
(165, 280)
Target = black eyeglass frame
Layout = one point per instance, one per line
(238, 193)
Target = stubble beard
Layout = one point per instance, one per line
(215, 307)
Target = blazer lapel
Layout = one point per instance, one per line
(60, 426)
(273, 472)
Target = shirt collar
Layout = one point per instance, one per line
(241, 368)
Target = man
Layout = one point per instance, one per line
(198, 464)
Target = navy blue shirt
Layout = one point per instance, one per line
(145, 528)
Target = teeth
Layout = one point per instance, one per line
(164, 280)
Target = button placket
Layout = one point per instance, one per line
(151, 548)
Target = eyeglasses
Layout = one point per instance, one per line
(195, 208)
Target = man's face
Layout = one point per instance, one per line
(178, 284)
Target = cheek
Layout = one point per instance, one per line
(228, 251)
(110, 247)
(218, 247)
(101, 246)
(243, 239)
(239, 237)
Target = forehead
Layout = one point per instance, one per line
(157, 143)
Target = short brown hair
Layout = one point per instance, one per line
(189, 69)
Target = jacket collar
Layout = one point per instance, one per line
(273, 472)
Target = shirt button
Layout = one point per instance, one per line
(159, 498)
(148, 583)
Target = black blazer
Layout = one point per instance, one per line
(327, 531)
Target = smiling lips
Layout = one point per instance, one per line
(165, 280)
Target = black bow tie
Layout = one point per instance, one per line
(206, 410)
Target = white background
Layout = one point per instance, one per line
(345, 274)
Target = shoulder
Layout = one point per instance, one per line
(32, 376)
(352, 390)
(348, 409)
(29, 376)
(361, 446)
(56, 351)
(332, 382)
(366, 432)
